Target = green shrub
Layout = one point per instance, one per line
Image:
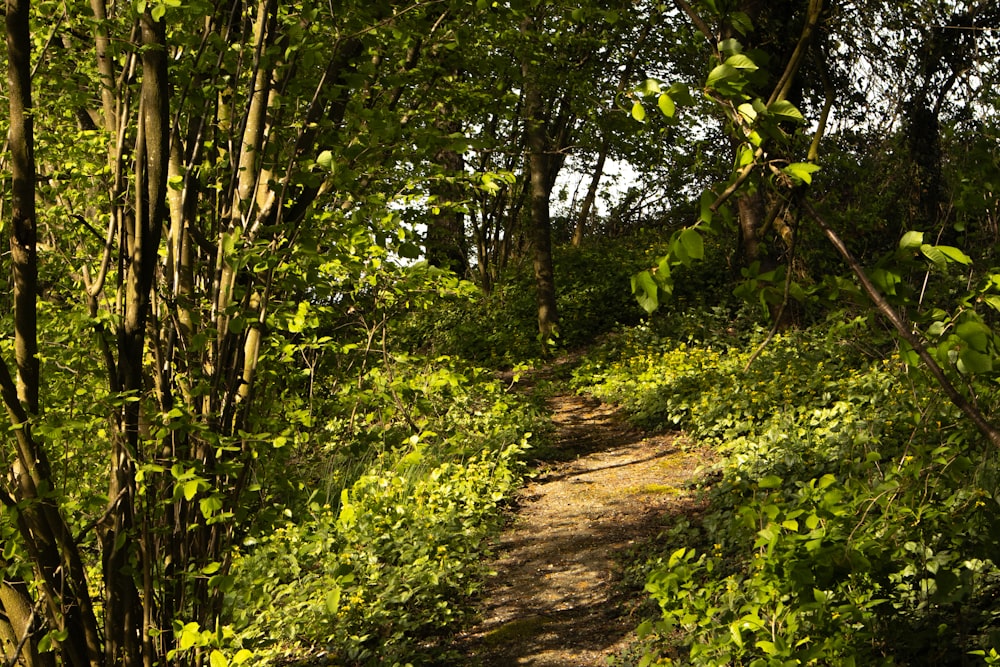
(852, 520)
(391, 545)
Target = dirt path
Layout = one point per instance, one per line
(554, 601)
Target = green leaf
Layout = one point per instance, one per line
(730, 46)
(721, 74)
(747, 111)
(242, 656)
(785, 110)
(332, 600)
(954, 254)
(741, 61)
(693, 244)
(638, 112)
(190, 489)
(680, 94)
(646, 291)
(408, 250)
(802, 171)
(707, 199)
(216, 659)
(975, 335)
(934, 254)
(325, 160)
(911, 240)
(666, 105)
(770, 482)
(993, 301)
(741, 22)
(649, 87)
(971, 361)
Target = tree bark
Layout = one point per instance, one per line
(541, 228)
(23, 238)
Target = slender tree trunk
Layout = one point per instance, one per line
(54, 555)
(23, 225)
(541, 232)
(122, 548)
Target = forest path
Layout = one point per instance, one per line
(556, 600)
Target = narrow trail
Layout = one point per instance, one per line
(555, 600)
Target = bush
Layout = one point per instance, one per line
(386, 554)
(852, 522)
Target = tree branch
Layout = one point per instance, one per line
(907, 334)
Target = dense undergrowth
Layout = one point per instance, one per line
(379, 540)
(853, 519)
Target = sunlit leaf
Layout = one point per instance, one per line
(770, 482)
(741, 61)
(912, 240)
(646, 291)
(934, 254)
(954, 254)
(666, 105)
(785, 110)
(638, 112)
(801, 171)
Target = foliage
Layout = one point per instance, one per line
(498, 328)
(851, 522)
(390, 540)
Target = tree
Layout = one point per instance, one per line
(214, 145)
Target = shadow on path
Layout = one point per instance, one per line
(554, 601)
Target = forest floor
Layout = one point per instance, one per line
(602, 490)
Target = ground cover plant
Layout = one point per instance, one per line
(852, 521)
(385, 545)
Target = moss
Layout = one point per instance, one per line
(655, 489)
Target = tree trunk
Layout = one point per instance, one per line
(446, 230)
(541, 232)
(55, 557)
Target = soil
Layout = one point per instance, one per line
(557, 599)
